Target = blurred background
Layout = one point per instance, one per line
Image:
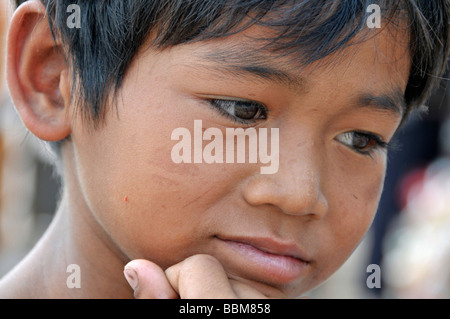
(409, 238)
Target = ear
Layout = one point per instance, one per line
(37, 74)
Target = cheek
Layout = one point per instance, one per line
(351, 213)
(133, 193)
(360, 202)
(357, 187)
(166, 217)
(150, 206)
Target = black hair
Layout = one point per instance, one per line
(113, 31)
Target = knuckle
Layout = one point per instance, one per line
(203, 260)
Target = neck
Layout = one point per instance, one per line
(74, 259)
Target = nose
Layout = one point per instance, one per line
(297, 187)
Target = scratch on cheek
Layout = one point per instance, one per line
(196, 199)
(165, 182)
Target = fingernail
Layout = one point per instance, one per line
(132, 278)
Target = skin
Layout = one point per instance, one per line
(169, 230)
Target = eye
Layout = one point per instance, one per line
(362, 142)
(242, 111)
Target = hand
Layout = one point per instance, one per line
(197, 277)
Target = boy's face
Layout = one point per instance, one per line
(282, 233)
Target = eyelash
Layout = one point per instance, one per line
(377, 141)
(218, 104)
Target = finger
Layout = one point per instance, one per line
(200, 277)
(203, 277)
(244, 291)
(148, 280)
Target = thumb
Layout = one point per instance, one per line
(148, 280)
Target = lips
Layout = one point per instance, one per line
(264, 259)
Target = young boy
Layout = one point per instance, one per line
(138, 100)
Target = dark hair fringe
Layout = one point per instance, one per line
(113, 31)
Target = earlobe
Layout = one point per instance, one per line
(37, 74)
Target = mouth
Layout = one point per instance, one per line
(264, 259)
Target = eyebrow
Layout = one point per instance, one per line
(249, 62)
(394, 101)
(267, 73)
(254, 66)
